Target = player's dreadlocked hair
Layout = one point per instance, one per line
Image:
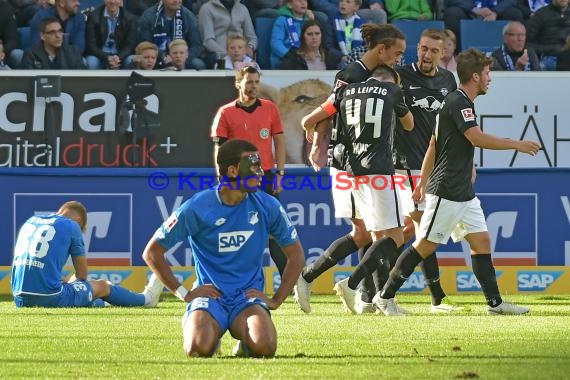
(230, 154)
(470, 62)
(374, 34)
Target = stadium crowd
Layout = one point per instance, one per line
(110, 34)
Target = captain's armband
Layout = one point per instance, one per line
(329, 107)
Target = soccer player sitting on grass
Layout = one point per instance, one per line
(44, 244)
(228, 228)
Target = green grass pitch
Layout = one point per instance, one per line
(142, 343)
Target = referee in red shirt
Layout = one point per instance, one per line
(257, 121)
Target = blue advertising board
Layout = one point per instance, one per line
(527, 211)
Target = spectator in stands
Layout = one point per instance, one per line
(347, 24)
(26, 9)
(178, 53)
(548, 30)
(67, 12)
(217, 19)
(3, 65)
(286, 33)
(322, 16)
(513, 55)
(111, 36)
(236, 56)
(418, 10)
(9, 36)
(261, 7)
(563, 62)
(52, 53)
(529, 7)
(370, 10)
(167, 21)
(137, 7)
(488, 10)
(311, 55)
(449, 46)
(146, 55)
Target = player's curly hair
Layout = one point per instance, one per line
(469, 62)
(375, 34)
(230, 154)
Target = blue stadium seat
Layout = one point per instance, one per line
(25, 37)
(413, 30)
(486, 36)
(263, 27)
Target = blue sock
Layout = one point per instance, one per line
(120, 296)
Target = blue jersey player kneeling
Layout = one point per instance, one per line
(228, 228)
(44, 244)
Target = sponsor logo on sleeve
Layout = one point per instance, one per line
(468, 114)
(338, 84)
(170, 223)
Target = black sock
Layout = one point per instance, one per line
(338, 250)
(430, 267)
(277, 256)
(368, 284)
(381, 277)
(394, 256)
(402, 270)
(374, 258)
(485, 273)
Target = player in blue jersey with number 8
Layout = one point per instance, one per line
(44, 244)
(228, 228)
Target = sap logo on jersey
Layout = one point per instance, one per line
(415, 283)
(536, 281)
(467, 282)
(232, 241)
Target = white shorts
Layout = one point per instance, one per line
(409, 178)
(443, 218)
(378, 202)
(342, 194)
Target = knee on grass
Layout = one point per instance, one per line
(264, 349)
(194, 350)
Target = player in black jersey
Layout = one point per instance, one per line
(452, 209)
(366, 118)
(425, 86)
(386, 45)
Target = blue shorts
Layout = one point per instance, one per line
(224, 311)
(74, 294)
